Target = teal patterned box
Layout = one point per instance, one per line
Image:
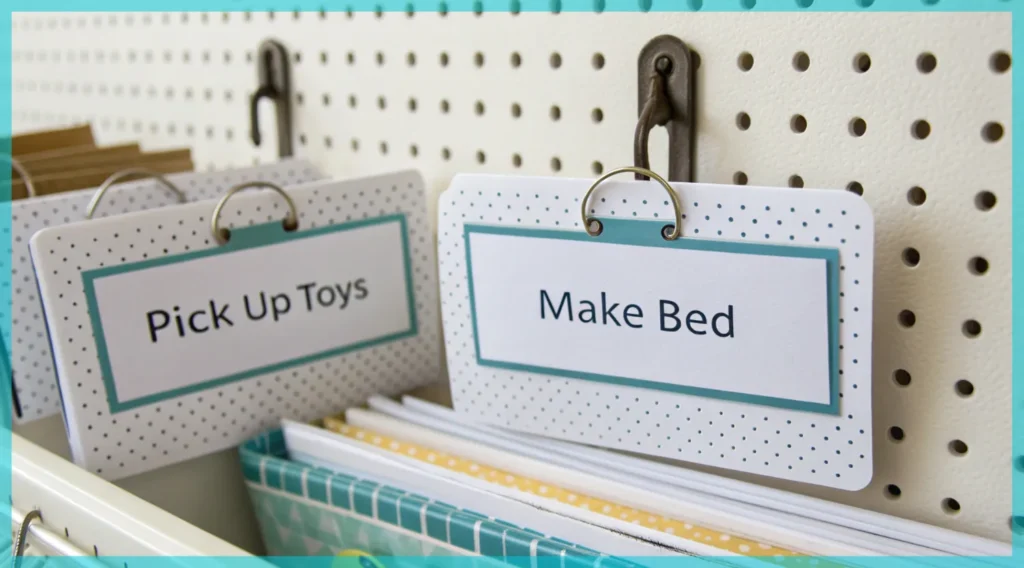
(311, 511)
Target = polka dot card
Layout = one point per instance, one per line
(723, 325)
(30, 361)
(186, 330)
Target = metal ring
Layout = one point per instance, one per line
(19, 539)
(30, 188)
(677, 229)
(291, 221)
(138, 172)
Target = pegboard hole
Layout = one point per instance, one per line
(517, 110)
(964, 388)
(743, 121)
(1000, 62)
(798, 123)
(896, 434)
(958, 448)
(445, 107)
(382, 103)
(380, 58)
(921, 129)
(555, 60)
(992, 132)
(481, 157)
(355, 144)
(745, 61)
(911, 257)
(858, 127)
(516, 60)
(855, 187)
(951, 505)
(977, 266)
(555, 113)
(597, 168)
(907, 318)
(350, 57)
(971, 328)
(926, 62)
(478, 59)
(517, 160)
(443, 59)
(861, 63)
(597, 60)
(414, 151)
(801, 61)
(412, 105)
(901, 377)
(916, 196)
(384, 148)
(597, 115)
(985, 200)
(796, 181)
(893, 491)
(410, 59)
(556, 165)
(478, 108)
(739, 178)
(446, 154)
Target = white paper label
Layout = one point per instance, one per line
(737, 321)
(266, 301)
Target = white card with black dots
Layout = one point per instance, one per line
(173, 339)
(742, 343)
(25, 342)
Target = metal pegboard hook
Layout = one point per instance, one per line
(274, 83)
(665, 85)
(20, 538)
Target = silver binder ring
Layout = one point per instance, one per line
(19, 539)
(138, 173)
(668, 232)
(30, 189)
(291, 220)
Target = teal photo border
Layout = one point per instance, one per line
(397, 8)
(242, 239)
(648, 234)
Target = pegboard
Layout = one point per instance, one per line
(910, 110)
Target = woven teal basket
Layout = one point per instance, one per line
(311, 511)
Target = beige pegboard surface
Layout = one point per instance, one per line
(903, 107)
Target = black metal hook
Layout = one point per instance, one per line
(666, 97)
(264, 92)
(274, 84)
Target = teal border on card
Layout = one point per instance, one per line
(245, 238)
(648, 234)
